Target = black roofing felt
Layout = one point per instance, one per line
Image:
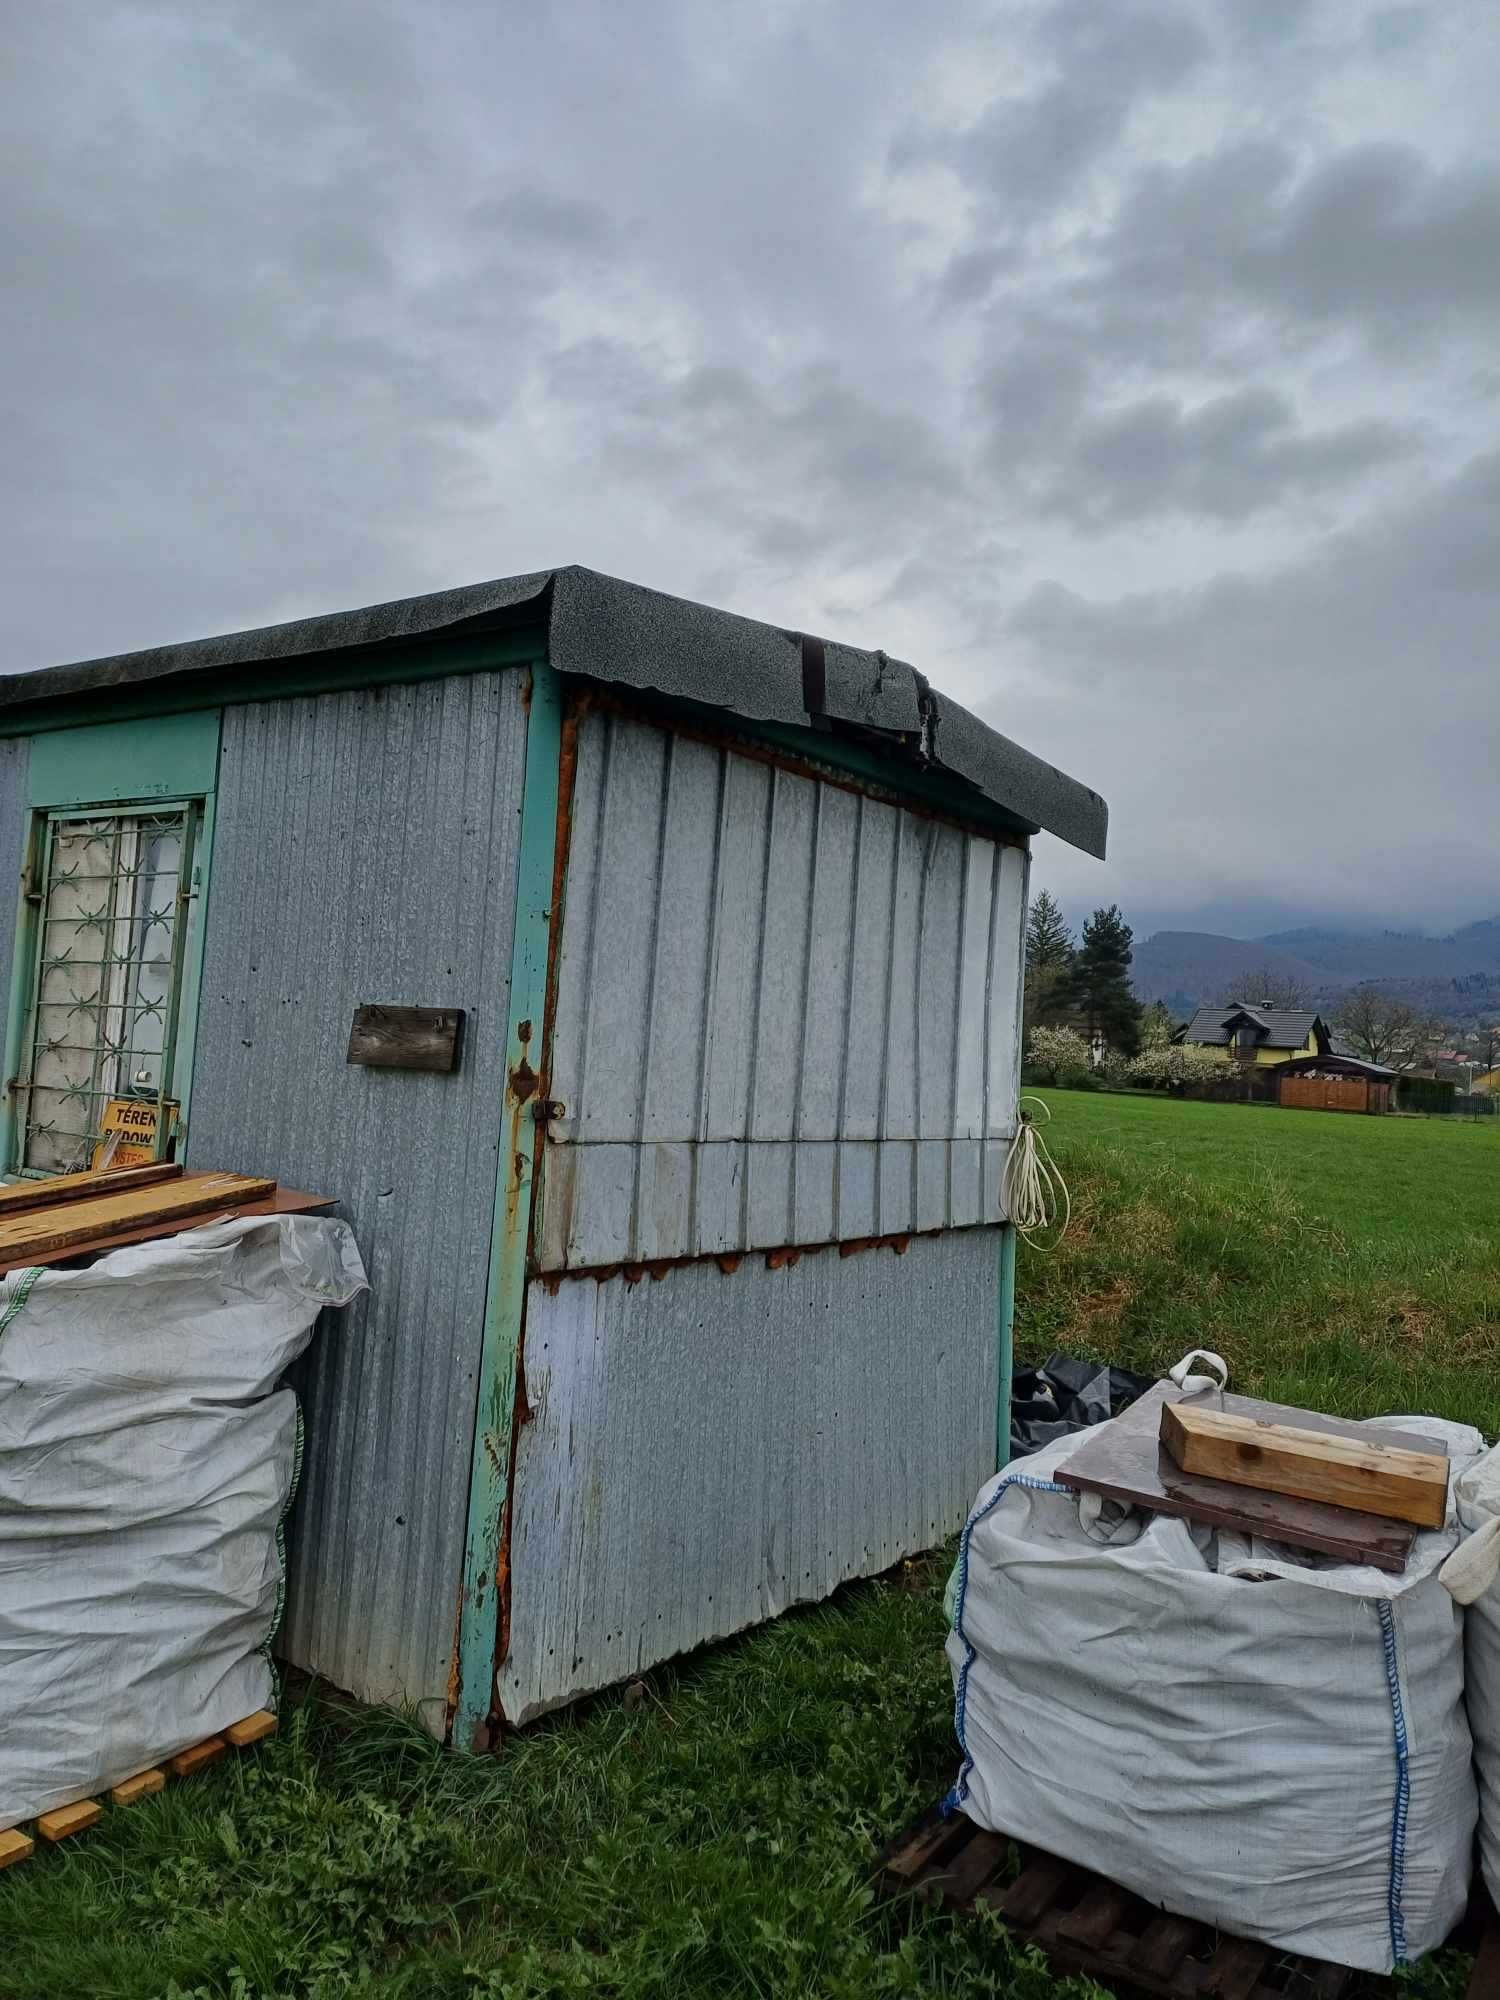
(620, 632)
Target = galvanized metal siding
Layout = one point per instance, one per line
(786, 1012)
(366, 850)
(705, 1450)
(15, 815)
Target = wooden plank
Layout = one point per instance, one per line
(141, 1786)
(24, 1195)
(15, 1846)
(253, 1729)
(1308, 1465)
(1098, 1912)
(209, 1751)
(406, 1037)
(1163, 1945)
(1033, 1890)
(77, 1224)
(1234, 1969)
(69, 1819)
(976, 1864)
(285, 1201)
(927, 1846)
(1124, 1461)
(1484, 1983)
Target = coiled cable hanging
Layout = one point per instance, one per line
(1035, 1193)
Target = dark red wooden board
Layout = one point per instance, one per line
(1124, 1460)
(1086, 1924)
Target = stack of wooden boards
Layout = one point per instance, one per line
(1267, 1469)
(18, 1843)
(72, 1214)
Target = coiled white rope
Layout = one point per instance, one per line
(1035, 1193)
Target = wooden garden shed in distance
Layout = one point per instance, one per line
(1334, 1083)
(690, 1278)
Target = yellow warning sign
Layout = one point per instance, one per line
(127, 1132)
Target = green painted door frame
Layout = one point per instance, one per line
(480, 1606)
(1006, 1348)
(143, 763)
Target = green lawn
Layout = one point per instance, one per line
(715, 1839)
(1351, 1264)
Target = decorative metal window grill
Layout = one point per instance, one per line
(114, 889)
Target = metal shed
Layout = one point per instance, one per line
(690, 1279)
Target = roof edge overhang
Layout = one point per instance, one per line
(605, 629)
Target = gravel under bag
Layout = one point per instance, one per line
(1267, 1740)
(146, 1462)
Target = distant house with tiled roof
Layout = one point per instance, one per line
(1260, 1035)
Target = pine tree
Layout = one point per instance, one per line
(1048, 940)
(1099, 983)
(1049, 959)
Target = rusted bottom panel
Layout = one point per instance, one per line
(706, 1451)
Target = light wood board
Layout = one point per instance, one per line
(1124, 1461)
(1371, 1478)
(75, 1224)
(24, 1195)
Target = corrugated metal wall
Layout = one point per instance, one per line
(705, 1450)
(366, 851)
(15, 816)
(786, 1013)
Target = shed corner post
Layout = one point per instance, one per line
(479, 1609)
(1006, 1344)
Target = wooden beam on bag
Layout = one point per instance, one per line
(23, 1195)
(1368, 1477)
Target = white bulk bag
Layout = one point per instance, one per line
(1472, 1575)
(1266, 1740)
(146, 1461)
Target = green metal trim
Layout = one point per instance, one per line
(505, 1298)
(107, 763)
(192, 973)
(322, 673)
(1006, 1371)
(25, 968)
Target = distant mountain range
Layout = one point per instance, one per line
(1456, 978)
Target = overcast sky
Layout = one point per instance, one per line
(1133, 369)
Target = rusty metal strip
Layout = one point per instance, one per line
(473, 1720)
(730, 1261)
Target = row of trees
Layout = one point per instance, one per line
(1087, 984)
(1084, 987)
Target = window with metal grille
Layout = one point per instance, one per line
(113, 889)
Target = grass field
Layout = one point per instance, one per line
(715, 1839)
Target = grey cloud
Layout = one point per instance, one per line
(1100, 466)
(1396, 31)
(540, 218)
(1226, 459)
(1028, 150)
(1373, 240)
(315, 306)
(1296, 727)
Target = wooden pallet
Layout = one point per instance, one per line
(1086, 1924)
(19, 1843)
